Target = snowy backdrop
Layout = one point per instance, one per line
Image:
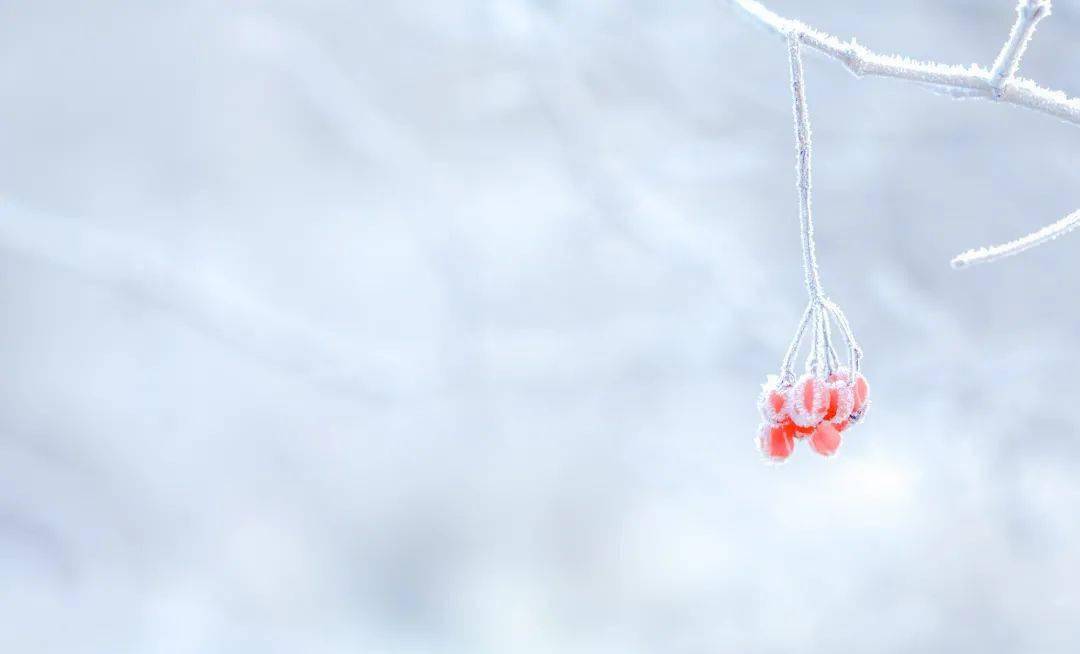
(436, 327)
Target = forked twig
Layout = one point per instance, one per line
(998, 84)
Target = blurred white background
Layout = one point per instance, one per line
(437, 326)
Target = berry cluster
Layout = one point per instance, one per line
(812, 408)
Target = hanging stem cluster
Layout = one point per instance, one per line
(821, 313)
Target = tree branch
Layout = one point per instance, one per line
(971, 81)
(998, 84)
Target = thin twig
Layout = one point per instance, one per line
(1038, 237)
(787, 376)
(1028, 15)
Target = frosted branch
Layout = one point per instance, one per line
(1038, 237)
(998, 84)
(967, 81)
(1028, 15)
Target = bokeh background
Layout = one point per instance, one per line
(437, 326)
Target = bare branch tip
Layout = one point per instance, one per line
(1034, 9)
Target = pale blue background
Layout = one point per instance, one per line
(436, 326)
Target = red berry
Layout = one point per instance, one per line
(773, 403)
(776, 442)
(825, 439)
(834, 402)
(808, 401)
(841, 397)
(862, 395)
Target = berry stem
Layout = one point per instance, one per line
(802, 168)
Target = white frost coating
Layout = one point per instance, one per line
(769, 412)
(1048, 233)
(845, 399)
(966, 81)
(998, 84)
(801, 413)
(802, 145)
(1028, 15)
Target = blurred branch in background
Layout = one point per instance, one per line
(210, 304)
(411, 175)
(997, 85)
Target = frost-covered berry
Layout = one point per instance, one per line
(841, 398)
(776, 442)
(825, 440)
(808, 401)
(862, 398)
(773, 402)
